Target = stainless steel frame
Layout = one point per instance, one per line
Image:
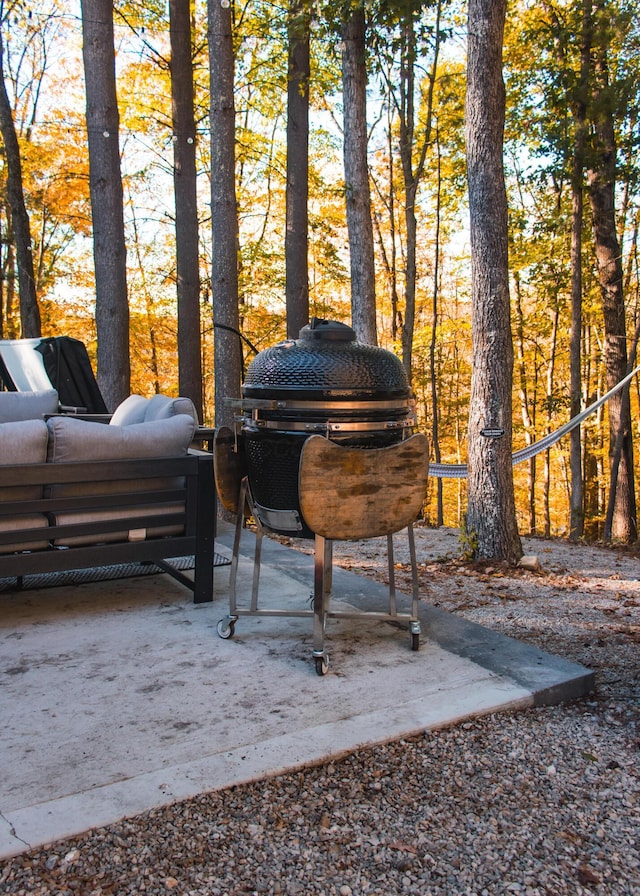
(322, 588)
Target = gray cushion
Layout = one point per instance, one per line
(80, 440)
(136, 409)
(23, 443)
(122, 516)
(15, 406)
(160, 407)
(71, 439)
(20, 524)
(131, 410)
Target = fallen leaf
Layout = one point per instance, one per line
(403, 847)
(587, 875)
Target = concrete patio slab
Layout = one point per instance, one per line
(119, 696)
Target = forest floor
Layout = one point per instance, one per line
(582, 602)
(542, 801)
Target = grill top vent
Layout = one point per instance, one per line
(327, 330)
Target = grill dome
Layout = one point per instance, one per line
(326, 362)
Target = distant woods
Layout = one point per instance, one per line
(166, 167)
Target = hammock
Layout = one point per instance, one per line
(459, 471)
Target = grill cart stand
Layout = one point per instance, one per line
(346, 494)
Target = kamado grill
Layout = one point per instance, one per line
(327, 383)
(323, 448)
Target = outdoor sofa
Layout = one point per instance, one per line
(78, 494)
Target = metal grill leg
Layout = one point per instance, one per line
(328, 573)
(233, 576)
(393, 606)
(415, 622)
(322, 558)
(257, 556)
(226, 626)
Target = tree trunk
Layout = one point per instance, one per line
(184, 185)
(356, 173)
(551, 367)
(4, 254)
(435, 410)
(407, 81)
(576, 524)
(491, 518)
(592, 437)
(297, 212)
(524, 403)
(8, 328)
(29, 311)
(224, 217)
(105, 184)
(601, 183)
(386, 234)
(413, 155)
(151, 315)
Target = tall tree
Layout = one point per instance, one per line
(491, 519)
(411, 39)
(29, 311)
(579, 112)
(435, 408)
(601, 179)
(356, 174)
(185, 190)
(224, 216)
(297, 193)
(576, 89)
(105, 183)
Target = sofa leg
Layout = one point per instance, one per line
(205, 533)
(203, 581)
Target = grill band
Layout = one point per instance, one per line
(281, 404)
(330, 425)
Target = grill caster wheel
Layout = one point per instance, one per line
(322, 664)
(226, 628)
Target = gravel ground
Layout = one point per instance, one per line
(542, 801)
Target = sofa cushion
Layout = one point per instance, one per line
(16, 406)
(136, 409)
(21, 524)
(80, 440)
(123, 532)
(22, 443)
(131, 410)
(71, 439)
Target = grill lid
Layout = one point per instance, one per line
(326, 363)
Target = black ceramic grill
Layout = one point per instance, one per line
(324, 382)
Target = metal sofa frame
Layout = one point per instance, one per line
(197, 517)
